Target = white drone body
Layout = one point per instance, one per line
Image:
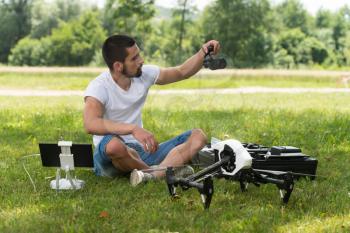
(243, 160)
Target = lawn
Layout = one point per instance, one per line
(317, 123)
(55, 80)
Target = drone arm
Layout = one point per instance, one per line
(210, 169)
(265, 179)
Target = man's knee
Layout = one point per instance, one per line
(199, 139)
(115, 149)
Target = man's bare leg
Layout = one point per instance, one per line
(183, 153)
(178, 156)
(123, 158)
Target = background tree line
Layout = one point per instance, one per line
(252, 33)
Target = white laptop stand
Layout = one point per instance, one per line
(67, 164)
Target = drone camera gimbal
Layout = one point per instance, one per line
(213, 63)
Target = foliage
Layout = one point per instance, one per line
(252, 33)
(71, 44)
(323, 19)
(248, 45)
(176, 39)
(293, 15)
(31, 52)
(45, 16)
(339, 31)
(302, 49)
(75, 43)
(282, 59)
(180, 24)
(14, 24)
(128, 16)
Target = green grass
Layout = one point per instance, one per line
(318, 123)
(79, 81)
(209, 81)
(46, 81)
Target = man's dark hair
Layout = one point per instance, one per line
(114, 49)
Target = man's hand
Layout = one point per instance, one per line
(214, 43)
(146, 139)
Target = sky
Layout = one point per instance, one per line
(311, 5)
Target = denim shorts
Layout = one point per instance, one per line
(103, 164)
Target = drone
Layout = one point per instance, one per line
(246, 163)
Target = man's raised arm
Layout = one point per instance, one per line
(190, 67)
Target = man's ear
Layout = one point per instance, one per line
(118, 67)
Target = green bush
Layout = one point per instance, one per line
(71, 44)
(304, 50)
(282, 59)
(31, 52)
(75, 43)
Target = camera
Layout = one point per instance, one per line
(213, 63)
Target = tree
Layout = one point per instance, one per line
(242, 27)
(183, 12)
(294, 15)
(14, 24)
(44, 18)
(47, 15)
(179, 44)
(302, 48)
(323, 19)
(68, 9)
(76, 42)
(71, 44)
(128, 16)
(289, 41)
(311, 51)
(346, 51)
(31, 52)
(340, 27)
(281, 59)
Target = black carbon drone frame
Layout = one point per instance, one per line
(225, 166)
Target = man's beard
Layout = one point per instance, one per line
(130, 75)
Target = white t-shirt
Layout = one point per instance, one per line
(120, 105)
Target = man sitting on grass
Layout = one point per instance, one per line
(112, 112)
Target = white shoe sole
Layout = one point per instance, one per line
(135, 177)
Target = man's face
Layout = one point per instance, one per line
(133, 62)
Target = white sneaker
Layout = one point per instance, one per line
(184, 171)
(137, 177)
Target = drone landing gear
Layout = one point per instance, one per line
(286, 188)
(206, 189)
(283, 180)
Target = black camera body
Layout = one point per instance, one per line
(213, 63)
